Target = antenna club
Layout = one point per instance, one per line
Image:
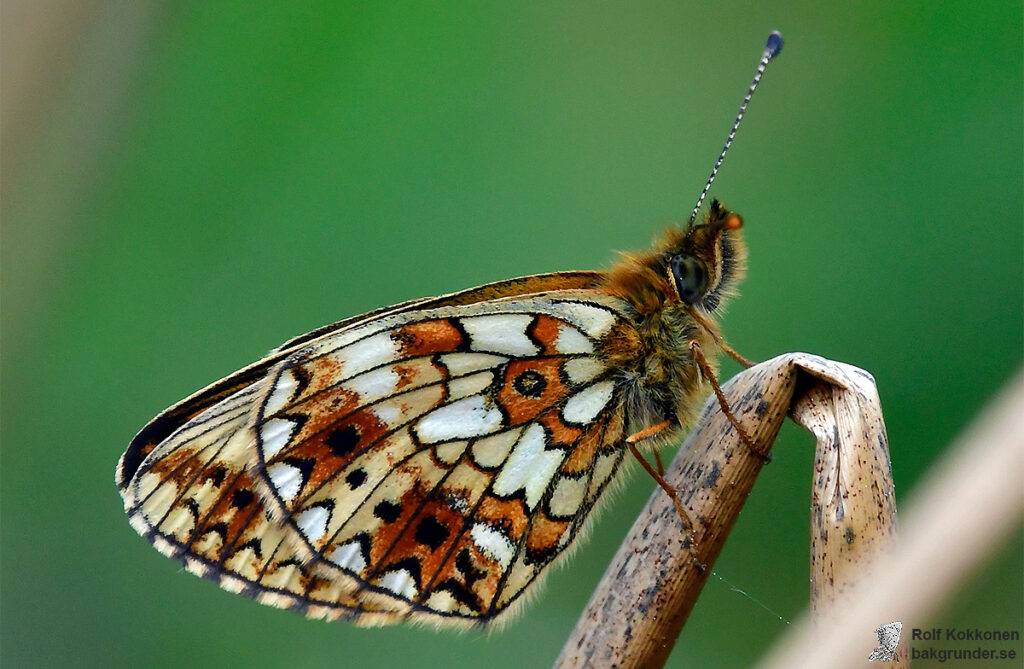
(771, 49)
(774, 45)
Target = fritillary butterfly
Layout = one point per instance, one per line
(430, 461)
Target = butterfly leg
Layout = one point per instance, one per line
(732, 353)
(650, 432)
(657, 462)
(705, 369)
(729, 350)
(659, 479)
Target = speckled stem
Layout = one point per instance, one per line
(639, 608)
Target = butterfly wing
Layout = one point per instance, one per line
(441, 459)
(419, 463)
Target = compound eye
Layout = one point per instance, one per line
(691, 277)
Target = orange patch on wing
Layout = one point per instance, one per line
(335, 446)
(560, 432)
(468, 575)
(545, 332)
(581, 458)
(389, 532)
(530, 386)
(613, 433)
(427, 538)
(252, 531)
(525, 285)
(323, 410)
(427, 338)
(507, 514)
(280, 565)
(417, 373)
(229, 517)
(542, 542)
(322, 372)
(181, 466)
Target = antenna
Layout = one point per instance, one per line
(771, 49)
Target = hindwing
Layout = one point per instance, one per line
(416, 463)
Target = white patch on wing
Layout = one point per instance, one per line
(312, 522)
(400, 582)
(373, 385)
(464, 363)
(492, 451)
(570, 340)
(603, 469)
(464, 386)
(568, 496)
(275, 435)
(232, 584)
(592, 320)
(517, 578)
(140, 524)
(196, 567)
(585, 405)
(283, 390)
(286, 479)
(158, 498)
(582, 370)
(450, 452)
(500, 333)
(389, 414)
(493, 543)
(366, 353)
(470, 417)
(408, 406)
(348, 556)
(442, 600)
(178, 522)
(530, 467)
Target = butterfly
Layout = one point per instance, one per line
(430, 461)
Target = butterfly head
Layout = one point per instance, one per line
(698, 266)
(705, 262)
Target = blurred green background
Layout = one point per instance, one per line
(186, 185)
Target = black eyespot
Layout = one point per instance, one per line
(530, 383)
(691, 277)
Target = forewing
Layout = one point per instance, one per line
(442, 458)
